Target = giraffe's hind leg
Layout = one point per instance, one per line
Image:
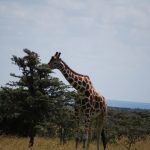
(99, 127)
(104, 140)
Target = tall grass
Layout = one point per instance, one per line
(42, 143)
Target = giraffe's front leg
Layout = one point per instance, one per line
(85, 139)
(77, 132)
(86, 134)
(77, 136)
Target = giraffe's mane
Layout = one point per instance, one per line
(73, 70)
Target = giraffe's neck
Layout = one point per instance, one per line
(80, 82)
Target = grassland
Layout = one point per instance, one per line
(41, 143)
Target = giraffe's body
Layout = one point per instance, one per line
(91, 103)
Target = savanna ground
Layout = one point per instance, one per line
(43, 143)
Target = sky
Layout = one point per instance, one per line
(109, 40)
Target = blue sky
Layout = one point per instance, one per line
(108, 40)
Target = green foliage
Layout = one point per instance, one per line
(36, 98)
(130, 124)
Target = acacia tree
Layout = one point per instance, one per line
(46, 96)
(34, 79)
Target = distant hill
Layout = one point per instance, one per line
(128, 104)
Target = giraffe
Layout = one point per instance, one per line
(91, 103)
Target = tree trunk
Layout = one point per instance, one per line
(32, 132)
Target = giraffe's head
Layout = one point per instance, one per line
(55, 61)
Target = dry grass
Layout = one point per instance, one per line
(41, 143)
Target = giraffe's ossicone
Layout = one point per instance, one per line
(91, 103)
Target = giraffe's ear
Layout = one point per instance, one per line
(59, 55)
